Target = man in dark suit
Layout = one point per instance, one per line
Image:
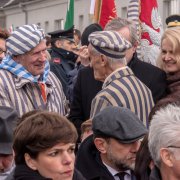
(85, 88)
(153, 77)
(110, 152)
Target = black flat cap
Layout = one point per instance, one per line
(64, 34)
(173, 20)
(87, 31)
(8, 118)
(119, 123)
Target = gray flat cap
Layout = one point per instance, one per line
(119, 123)
(109, 43)
(8, 118)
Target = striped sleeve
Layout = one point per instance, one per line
(4, 98)
(60, 98)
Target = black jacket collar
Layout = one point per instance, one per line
(23, 172)
(155, 174)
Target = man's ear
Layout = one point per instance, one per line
(58, 43)
(18, 58)
(104, 60)
(167, 157)
(134, 46)
(31, 163)
(101, 145)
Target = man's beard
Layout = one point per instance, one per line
(119, 164)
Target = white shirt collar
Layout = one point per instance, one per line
(113, 171)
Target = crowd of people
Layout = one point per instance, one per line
(82, 106)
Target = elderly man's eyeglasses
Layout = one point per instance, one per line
(1, 51)
(173, 147)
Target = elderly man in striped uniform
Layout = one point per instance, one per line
(26, 82)
(121, 87)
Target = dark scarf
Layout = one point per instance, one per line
(67, 55)
(173, 90)
(23, 172)
(173, 93)
(173, 81)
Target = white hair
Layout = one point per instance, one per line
(110, 59)
(118, 23)
(164, 131)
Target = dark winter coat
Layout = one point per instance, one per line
(173, 93)
(155, 174)
(89, 163)
(23, 172)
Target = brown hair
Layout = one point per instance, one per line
(41, 131)
(28, 114)
(4, 34)
(48, 40)
(86, 126)
(78, 33)
(143, 160)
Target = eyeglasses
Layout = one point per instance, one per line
(173, 147)
(1, 51)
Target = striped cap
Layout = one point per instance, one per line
(24, 39)
(109, 43)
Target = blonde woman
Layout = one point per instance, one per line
(169, 61)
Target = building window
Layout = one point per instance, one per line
(46, 28)
(124, 12)
(166, 10)
(81, 22)
(59, 24)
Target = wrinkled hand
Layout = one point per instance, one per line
(84, 56)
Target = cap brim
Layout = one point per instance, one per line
(132, 140)
(69, 39)
(6, 148)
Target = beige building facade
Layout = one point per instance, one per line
(51, 14)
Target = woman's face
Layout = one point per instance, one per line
(169, 60)
(57, 162)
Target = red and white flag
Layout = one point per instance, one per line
(103, 11)
(149, 25)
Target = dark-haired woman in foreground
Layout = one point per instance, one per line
(44, 146)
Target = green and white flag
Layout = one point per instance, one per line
(69, 15)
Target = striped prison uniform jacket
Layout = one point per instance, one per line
(122, 88)
(24, 95)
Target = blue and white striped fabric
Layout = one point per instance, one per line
(24, 39)
(17, 69)
(133, 11)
